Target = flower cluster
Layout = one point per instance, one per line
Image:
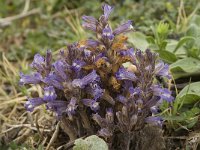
(91, 87)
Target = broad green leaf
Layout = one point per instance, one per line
(185, 67)
(138, 39)
(81, 144)
(190, 94)
(194, 31)
(171, 45)
(183, 116)
(166, 56)
(183, 41)
(92, 142)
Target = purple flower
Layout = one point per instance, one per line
(134, 91)
(99, 56)
(71, 107)
(158, 121)
(34, 78)
(57, 104)
(77, 65)
(60, 67)
(166, 95)
(33, 102)
(89, 23)
(126, 27)
(38, 63)
(49, 93)
(81, 83)
(122, 99)
(107, 10)
(154, 110)
(94, 105)
(89, 19)
(107, 33)
(95, 90)
(163, 93)
(92, 43)
(162, 69)
(54, 80)
(124, 74)
(128, 52)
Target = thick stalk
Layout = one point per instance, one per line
(68, 129)
(128, 137)
(86, 122)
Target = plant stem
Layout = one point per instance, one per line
(86, 122)
(128, 141)
(68, 129)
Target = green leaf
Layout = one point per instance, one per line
(80, 144)
(194, 31)
(190, 117)
(193, 52)
(166, 56)
(138, 39)
(150, 39)
(171, 45)
(163, 45)
(90, 143)
(183, 41)
(185, 67)
(189, 94)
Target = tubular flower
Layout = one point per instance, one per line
(126, 27)
(162, 69)
(124, 74)
(107, 33)
(33, 102)
(107, 10)
(38, 63)
(34, 78)
(94, 105)
(49, 94)
(81, 83)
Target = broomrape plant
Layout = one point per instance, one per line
(91, 91)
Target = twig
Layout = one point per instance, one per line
(54, 136)
(7, 21)
(66, 146)
(26, 6)
(22, 138)
(22, 125)
(69, 144)
(176, 137)
(37, 125)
